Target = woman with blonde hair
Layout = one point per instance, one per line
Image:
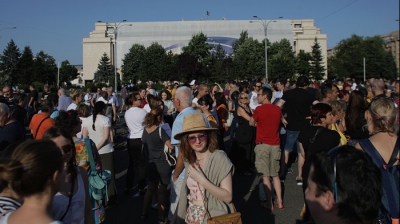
(76, 97)
(338, 123)
(208, 179)
(383, 147)
(245, 136)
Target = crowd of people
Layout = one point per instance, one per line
(343, 133)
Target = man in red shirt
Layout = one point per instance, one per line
(267, 118)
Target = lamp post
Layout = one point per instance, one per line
(265, 24)
(116, 27)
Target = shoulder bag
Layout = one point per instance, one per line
(232, 218)
(390, 178)
(40, 124)
(171, 160)
(98, 184)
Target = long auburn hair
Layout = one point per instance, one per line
(355, 110)
(186, 149)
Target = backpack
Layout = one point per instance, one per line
(390, 176)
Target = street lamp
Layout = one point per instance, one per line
(116, 27)
(265, 24)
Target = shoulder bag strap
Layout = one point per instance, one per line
(90, 153)
(395, 153)
(69, 200)
(388, 179)
(40, 124)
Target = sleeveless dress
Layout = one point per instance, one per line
(246, 156)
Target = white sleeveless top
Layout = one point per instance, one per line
(76, 212)
(4, 219)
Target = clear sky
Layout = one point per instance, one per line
(57, 27)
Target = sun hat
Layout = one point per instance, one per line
(193, 122)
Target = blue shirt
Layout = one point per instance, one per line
(177, 127)
(63, 102)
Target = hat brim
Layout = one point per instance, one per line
(180, 134)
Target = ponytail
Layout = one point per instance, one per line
(98, 107)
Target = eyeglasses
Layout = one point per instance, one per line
(333, 154)
(193, 139)
(258, 86)
(68, 148)
(244, 98)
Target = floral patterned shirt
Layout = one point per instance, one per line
(82, 156)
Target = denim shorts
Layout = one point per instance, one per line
(291, 139)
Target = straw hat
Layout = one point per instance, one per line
(192, 123)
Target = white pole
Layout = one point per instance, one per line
(58, 75)
(115, 57)
(364, 67)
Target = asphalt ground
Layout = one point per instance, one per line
(245, 194)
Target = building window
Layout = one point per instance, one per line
(297, 25)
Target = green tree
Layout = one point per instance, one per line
(8, 63)
(283, 61)
(332, 71)
(153, 67)
(303, 66)
(249, 59)
(132, 63)
(25, 74)
(198, 47)
(187, 65)
(216, 67)
(45, 68)
(317, 64)
(104, 70)
(349, 55)
(68, 72)
(244, 35)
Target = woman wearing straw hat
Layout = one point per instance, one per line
(208, 173)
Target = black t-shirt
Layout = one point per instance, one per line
(297, 105)
(35, 96)
(154, 146)
(10, 133)
(19, 114)
(324, 141)
(45, 95)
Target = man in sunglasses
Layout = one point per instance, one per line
(253, 95)
(344, 186)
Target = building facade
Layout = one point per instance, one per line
(391, 41)
(176, 34)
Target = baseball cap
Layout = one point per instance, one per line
(193, 82)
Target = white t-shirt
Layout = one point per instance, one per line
(111, 101)
(147, 108)
(195, 101)
(101, 122)
(88, 97)
(72, 106)
(254, 101)
(134, 118)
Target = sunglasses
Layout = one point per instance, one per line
(244, 98)
(258, 86)
(67, 148)
(193, 139)
(333, 154)
(139, 99)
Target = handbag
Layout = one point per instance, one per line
(98, 184)
(232, 218)
(171, 160)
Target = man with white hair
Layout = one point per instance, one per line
(11, 131)
(63, 100)
(378, 88)
(183, 103)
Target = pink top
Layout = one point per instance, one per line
(195, 194)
